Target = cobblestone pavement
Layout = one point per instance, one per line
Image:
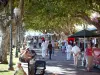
(60, 66)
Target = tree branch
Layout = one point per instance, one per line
(85, 17)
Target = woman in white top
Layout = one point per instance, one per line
(68, 51)
(46, 45)
(43, 45)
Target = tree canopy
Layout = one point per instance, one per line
(55, 14)
(3, 3)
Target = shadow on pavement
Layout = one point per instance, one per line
(4, 71)
(60, 66)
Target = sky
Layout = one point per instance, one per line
(89, 27)
(33, 33)
(78, 28)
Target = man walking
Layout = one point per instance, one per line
(50, 49)
(75, 50)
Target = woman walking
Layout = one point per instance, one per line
(89, 57)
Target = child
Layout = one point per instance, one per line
(19, 70)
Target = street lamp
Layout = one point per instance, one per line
(17, 12)
(17, 16)
(22, 32)
(11, 18)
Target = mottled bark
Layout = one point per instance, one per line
(21, 6)
(5, 45)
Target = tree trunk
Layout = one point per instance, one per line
(21, 6)
(5, 45)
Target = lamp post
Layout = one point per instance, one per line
(84, 27)
(11, 56)
(17, 16)
(22, 33)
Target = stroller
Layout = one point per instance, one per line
(40, 67)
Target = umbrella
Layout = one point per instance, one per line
(85, 33)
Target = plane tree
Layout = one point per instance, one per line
(48, 10)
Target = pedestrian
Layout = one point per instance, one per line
(35, 43)
(50, 49)
(43, 45)
(31, 47)
(63, 47)
(46, 45)
(89, 57)
(53, 46)
(40, 41)
(24, 46)
(19, 70)
(25, 55)
(76, 51)
(68, 51)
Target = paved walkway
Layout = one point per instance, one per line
(60, 66)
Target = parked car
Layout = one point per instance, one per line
(96, 60)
